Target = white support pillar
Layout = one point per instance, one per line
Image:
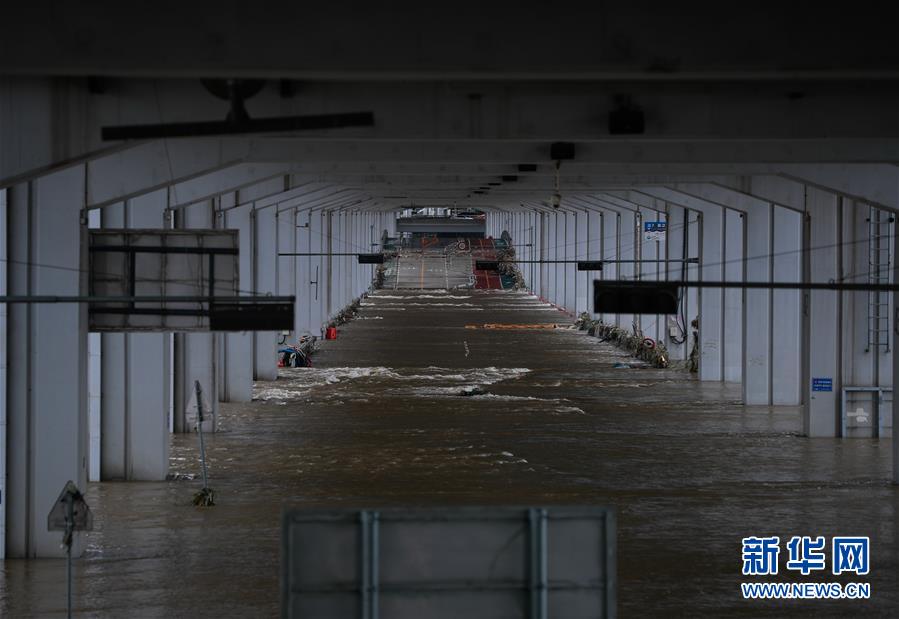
(237, 354)
(557, 240)
(144, 374)
(343, 271)
(894, 355)
(4, 444)
(711, 308)
(864, 365)
(757, 314)
(94, 385)
(822, 313)
(534, 238)
(544, 234)
(611, 240)
(675, 238)
(569, 270)
(265, 258)
(786, 310)
(328, 225)
(627, 250)
(692, 294)
(302, 316)
(317, 271)
(285, 243)
(732, 341)
(195, 353)
(651, 325)
(47, 408)
(594, 251)
(352, 262)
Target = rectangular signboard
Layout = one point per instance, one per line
(486, 265)
(160, 263)
(370, 258)
(589, 265)
(822, 384)
(624, 297)
(654, 230)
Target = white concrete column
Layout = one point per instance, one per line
(338, 246)
(711, 303)
(343, 273)
(135, 376)
(679, 345)
(533, 238)
(544, 234)
(859, 364)
(134, 430)
(650, 250)
(821, 415)
(237, 354)
(894, 355)
(692, 294)
(328, 225)
(558, 243)
(548, 243)
(356, 241)
(863, 364)
(732, 341)
(786, 324)
(285, 243)
(627, 250)
(318, 275)
(757, 315)
(46, 399)
(4, 447)
(265, 262)
(611, 241)
(304, 290)
(195, 353)
(571, 240)
(94, 384)
(593, 252)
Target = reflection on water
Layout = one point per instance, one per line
(403, 410)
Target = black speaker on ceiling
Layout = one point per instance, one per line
(627, 119)
(559, 151)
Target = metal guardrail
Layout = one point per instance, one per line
(485, 562)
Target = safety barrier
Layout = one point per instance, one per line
(485, 562)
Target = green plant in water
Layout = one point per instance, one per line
(205, 498)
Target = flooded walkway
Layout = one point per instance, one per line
(422, 400)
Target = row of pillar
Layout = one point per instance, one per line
(768, 229)
(77, 405)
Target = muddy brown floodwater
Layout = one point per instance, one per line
(381, 420)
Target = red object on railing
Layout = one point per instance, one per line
(331, 333)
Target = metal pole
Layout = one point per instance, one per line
(833, 286)
(261, 299)
(70, 526)
(200, 431)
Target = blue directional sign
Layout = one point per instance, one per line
(654, 230)
(822, 384)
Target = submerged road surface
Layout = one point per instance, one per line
(417, 403)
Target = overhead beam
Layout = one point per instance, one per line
(222, 181)
(156, 165)
(599, 41)
(722, 156)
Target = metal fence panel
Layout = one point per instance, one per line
(486, 562)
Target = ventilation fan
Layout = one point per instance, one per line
(238, 121)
